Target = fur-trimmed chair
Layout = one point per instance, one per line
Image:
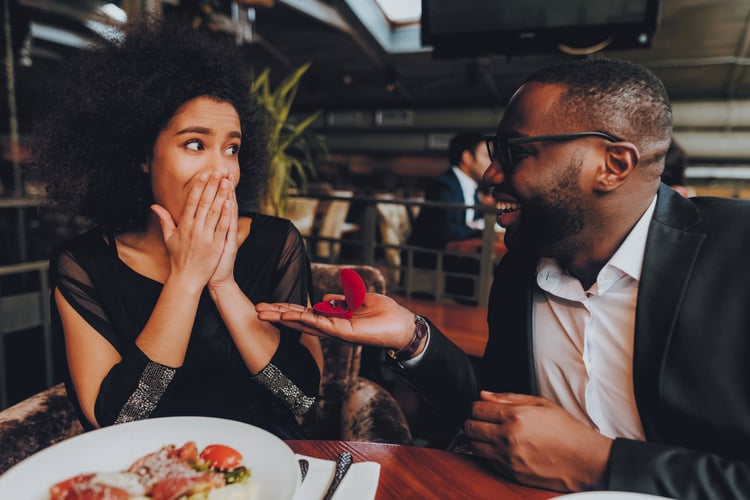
(349, 408)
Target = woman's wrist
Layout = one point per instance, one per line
(185, 282)
(217, 290)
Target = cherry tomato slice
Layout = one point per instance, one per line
(221, 457)
(188, 452)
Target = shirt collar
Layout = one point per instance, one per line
(629, 257)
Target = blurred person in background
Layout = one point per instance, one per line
(674, 170)
(438, 227)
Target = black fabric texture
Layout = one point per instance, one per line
(271, 266)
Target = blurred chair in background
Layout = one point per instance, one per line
(302, 211)
(393, 221)
(334, 225)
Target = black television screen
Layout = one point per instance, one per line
(475, 27)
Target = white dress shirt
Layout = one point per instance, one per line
(469, 188)
(583, 339)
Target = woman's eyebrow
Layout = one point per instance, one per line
(207, 131)
(195, 130)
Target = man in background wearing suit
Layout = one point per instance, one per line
(435, 227)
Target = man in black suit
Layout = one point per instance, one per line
(619, 320)
(435, 227)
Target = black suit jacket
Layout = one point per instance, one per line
(435, 226)
(691, 362)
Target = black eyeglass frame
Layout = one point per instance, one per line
(501, 144)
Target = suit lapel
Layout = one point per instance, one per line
(508, 362)
(671, 250)
(458, 193)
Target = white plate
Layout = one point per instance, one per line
(610, 495)
(272, 463)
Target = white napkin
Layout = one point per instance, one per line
(360, 482)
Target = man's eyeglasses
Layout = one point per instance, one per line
(501, 148)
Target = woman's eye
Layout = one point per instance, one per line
(195, 145)
(232, 150)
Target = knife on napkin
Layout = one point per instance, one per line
(359, 483)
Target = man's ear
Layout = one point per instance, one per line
(467, 158)
(620, 160)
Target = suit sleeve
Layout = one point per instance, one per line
(676, 472)
(445, 379)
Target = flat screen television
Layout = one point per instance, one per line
(469, 28)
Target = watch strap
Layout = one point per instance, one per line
(421, 330)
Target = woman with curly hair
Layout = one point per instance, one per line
(154, 138)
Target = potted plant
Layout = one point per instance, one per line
(292, 146)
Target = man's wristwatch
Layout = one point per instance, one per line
(421, 330)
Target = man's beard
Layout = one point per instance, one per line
(551, 222)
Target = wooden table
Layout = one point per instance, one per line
(474, 245)
(422, 473)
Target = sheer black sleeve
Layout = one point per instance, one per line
(292, 373)
(134, 386)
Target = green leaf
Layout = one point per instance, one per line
(292, 146)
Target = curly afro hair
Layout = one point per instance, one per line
(105, 111)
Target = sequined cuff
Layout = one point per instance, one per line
(151, 387)
(280, 386)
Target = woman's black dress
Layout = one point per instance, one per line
(271, 266)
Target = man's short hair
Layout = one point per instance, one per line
(619, 97)
(463, 141)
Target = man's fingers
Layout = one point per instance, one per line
(512, 398)
(296, 317)
(501, 412)
(483, 430)
(278, 307)
(300, 327)
(488, 450)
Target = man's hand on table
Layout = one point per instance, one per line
(380, 321)
(537, 442)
